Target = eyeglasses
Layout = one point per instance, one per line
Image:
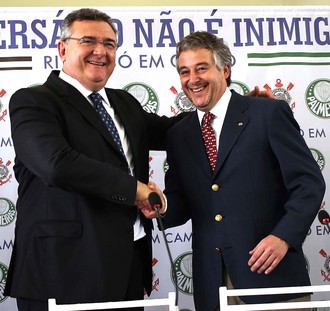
(92, 42)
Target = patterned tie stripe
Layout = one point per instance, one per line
(209, 138)
(98, 104)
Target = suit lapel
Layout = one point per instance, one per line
(74, 98)
(192, 136)
(234, 124)
(126, 118)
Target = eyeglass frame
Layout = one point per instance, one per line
(95, 42)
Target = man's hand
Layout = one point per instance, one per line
(257, 93)
(153, 187)
(267, 254)
(142, 202)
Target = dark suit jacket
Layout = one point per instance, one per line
(74, 229)
(265, 182)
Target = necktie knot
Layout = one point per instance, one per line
(207, 118)
(96, 99)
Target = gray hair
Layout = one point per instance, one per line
(83, 15)
(205, 40)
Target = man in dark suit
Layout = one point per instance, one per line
(251, 211)
(79, 236)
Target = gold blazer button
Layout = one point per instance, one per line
(215, 187)
(218, 217)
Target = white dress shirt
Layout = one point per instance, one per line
(138, 227)
(219, 110)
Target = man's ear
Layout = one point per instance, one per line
(61, 47)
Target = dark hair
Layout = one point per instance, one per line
(82, 15)
(205, 40)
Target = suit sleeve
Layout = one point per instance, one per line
(301, 176)
(43, 150)
(177, 212)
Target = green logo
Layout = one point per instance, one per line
(3, 277)
(165, 166)
(7, 212)
(318, 156)
(318, 98)
(239, 87)
(145, 95)
(183, 272)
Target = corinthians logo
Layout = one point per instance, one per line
(282, 93)
(7, 212)
(318, 156)
(182, 102)
(183, 271)
(4, 172)
(326, 272)
(2, 113)
(145, 95)
(3, 277)
(318, 98)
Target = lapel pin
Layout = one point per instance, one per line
(240, 124)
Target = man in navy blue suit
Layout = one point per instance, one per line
(250, 213)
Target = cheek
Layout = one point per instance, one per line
(183, 81)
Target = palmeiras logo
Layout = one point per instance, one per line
(326, 272)
(239, 87)
(281, 92)
(319, 158)
(183, 271)
(3, 112)
(3, 278)
(7, 212)
(145, 95)
(165, 166)
(307, 264)
(4, 172)
(182, 102)
(318, 98)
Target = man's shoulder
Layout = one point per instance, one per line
(120, 94)
(184, 121)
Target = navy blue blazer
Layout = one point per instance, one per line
(265, 182)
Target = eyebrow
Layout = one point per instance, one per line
(196, 65)
(92, 37)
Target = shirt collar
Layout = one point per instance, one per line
(220, 108)
(84, 91)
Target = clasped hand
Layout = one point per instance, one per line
(142, 202)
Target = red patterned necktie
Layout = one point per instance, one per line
(209, 138)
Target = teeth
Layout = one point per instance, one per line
(198, 90)
(96, 63)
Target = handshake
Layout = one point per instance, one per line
(150, 200)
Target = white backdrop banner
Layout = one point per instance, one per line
(282, 49)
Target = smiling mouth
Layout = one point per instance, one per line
(196, 90)
(96, 63)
